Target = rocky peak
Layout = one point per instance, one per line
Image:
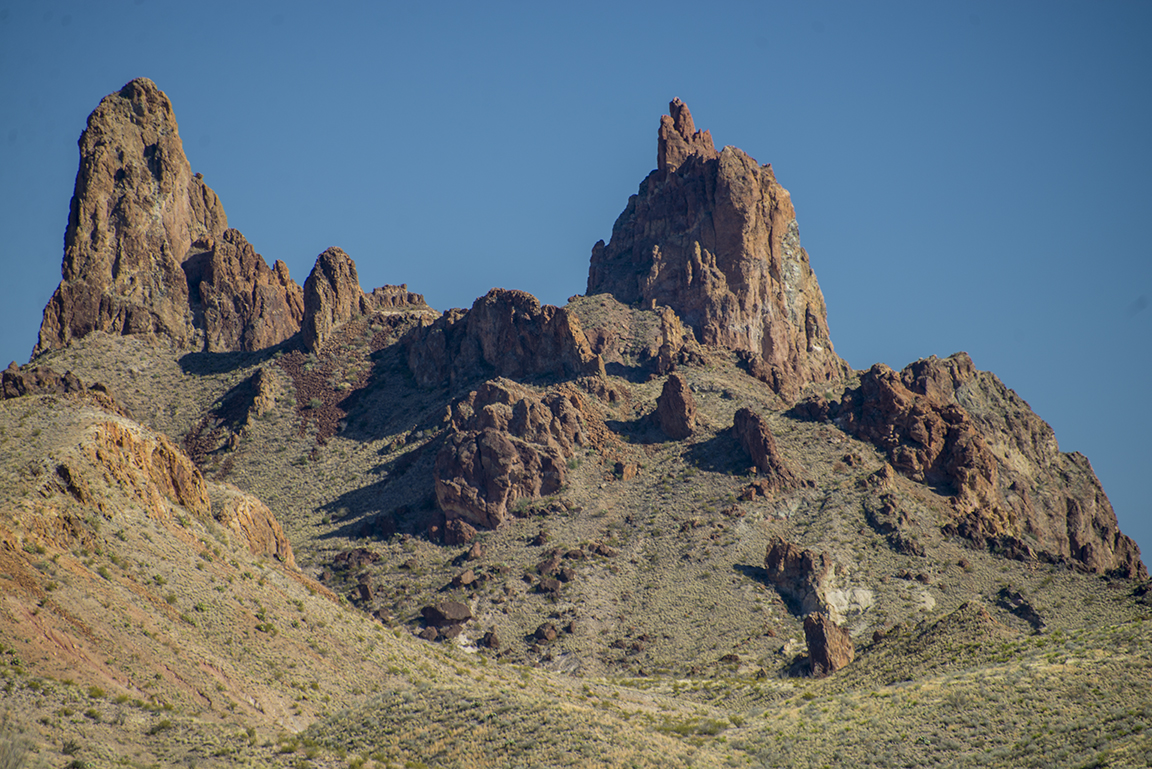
(332, 295)
(147, 249)
(678, 138)
(713, 235)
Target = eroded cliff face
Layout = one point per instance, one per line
(506, 333)
(148, 251)
(713, 235)
(947, 425)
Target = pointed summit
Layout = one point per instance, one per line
(678, 138)
(713, 235)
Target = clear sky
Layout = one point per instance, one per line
(967, 176)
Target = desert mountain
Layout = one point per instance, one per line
(246, 522)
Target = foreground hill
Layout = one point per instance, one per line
(662, 524)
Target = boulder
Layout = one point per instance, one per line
(446, 613)
(37, 380)
(829, 645)
(507, 334)
(713, 235)
(756, 438)
(676, 408)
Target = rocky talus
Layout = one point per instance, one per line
(713, 235)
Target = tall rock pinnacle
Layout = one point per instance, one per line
(713, 235)
(145, 236)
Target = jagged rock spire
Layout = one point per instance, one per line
(713, 235)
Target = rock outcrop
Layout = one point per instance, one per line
(507, 443)
(713, 235)
(37, 380)
(506, 333)
(332, 295)
(148, 251)
(802, 576)
(829, 645)
(251, 520)
(135, 212)
(676, 408)
(946, 424)
(756, 438)
(239, 301)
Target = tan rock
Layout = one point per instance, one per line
(252, 521)
(713, 236)
(802, 576)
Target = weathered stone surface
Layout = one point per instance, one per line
(332, 295)
(37, 380)
(506, 333)
(714, 236)
(446, 613)
(756, 438)
(946, 424)
(829, 646)
(457, 532)
(677, 345)
(239, 301)
(802, 576)
(507, 443)
(135, 212)
(676, 408)
(252, 521)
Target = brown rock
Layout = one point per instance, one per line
(802, 576)
(37, 380)
(626, 471)
(714, 236)
(506, 333)
(547, 632)
(464, 578)
(676, 408)
(135, 211)
(332, 295)
(457, 532)
(243, 303)
(446, 613)
(491, 640)
(829, 646)
(946, 424)
(756, 438)
(253, 522)
(507, 443)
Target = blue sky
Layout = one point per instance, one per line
(967, 176)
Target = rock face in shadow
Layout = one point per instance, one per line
(713, 235)
(676, 408)
(756, 438)
(506, 333)
(829, 645)
(243, 304)
(148, 251)
(946, 424)
(507, 443)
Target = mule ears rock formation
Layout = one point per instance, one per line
(713, 235)
(147, 249)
